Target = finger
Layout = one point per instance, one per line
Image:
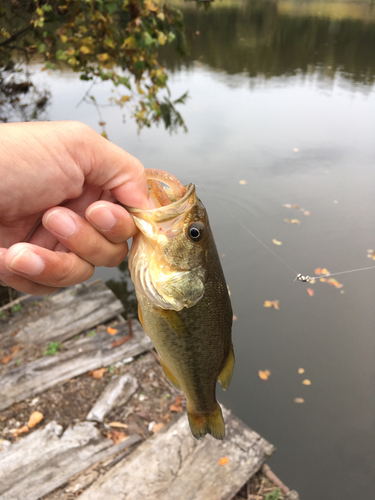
(83, 239)
(112, 221)
(45, 267)
(26, 286)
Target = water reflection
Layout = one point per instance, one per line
(268, 39)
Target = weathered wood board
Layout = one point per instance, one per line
(47, 458)
(116, 393)
(173, 465)
(81, 356)
(66, 314)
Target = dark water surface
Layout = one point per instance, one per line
(281, 96)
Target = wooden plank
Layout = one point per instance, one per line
(81, 356)
(172, 465)
(116, 393)
(47, 458)
(65, 314)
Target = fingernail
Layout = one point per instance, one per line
(102, 217)
(61, 223)
(3, 270)
(27, 262)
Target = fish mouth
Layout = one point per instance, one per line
(168, 212)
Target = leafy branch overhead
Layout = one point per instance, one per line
(103, 40)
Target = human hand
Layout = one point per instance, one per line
(57, 220)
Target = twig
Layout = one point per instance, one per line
(266, 470)
(15, 302)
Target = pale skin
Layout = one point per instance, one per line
(59, 182)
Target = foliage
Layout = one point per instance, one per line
(52, 348)
(16, 307)
(274, 495)
(103, 40)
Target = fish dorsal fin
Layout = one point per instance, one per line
(226, 373)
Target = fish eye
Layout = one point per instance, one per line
(195, 232)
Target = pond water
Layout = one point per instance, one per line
(282, 97)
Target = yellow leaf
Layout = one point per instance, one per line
(35, 418)
(306, 382)
(276, 242)
(84, 49)
(129, 43)
(295, 221)
(301, 370)
(103, 57)
(162, 38)
(70, 51)
(125, 98)
(243, 182)
(263, 375)
(111, 331)
(63, 38)
(118, 424)
(97, 373)
(271, 303)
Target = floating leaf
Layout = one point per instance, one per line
(243, 182)
(295, 206)
(223, 461)
(301, 370)
(287, 205)
(111, 331)
(35, 418)
(306, 212)
(295, 221)
(371, 254)
(271, 303)
(276, 242)
(234, 317)
(306, 382)
(299, 400)
(310, 291)
(264, 374)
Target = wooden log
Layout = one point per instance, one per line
(117, 393)
(172, 465)
(47, 458)
(65, 314)
(81, 356)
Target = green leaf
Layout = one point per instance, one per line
(111, 7)
(41, 48)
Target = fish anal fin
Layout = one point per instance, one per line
(226, 373)
(207, 423)
(172, 379)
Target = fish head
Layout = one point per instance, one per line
(168, 255)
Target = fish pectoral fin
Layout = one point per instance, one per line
(174, 321)
(207, 423)
(172, 379)
(226, 373)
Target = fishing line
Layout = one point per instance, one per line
(299, 276)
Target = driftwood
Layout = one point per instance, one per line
(47, 458)
(117, 393)
(81, 356)
(172, 464)
(65, 314)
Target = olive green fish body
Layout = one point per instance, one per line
(184, 306)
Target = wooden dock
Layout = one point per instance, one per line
(95, 438)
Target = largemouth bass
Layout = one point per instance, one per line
(183, 300)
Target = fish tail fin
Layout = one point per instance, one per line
(209, 423)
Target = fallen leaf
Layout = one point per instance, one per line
(301, 370)
(295, 221)
(371, 254)
(299, 400)
(118, 424)
(175, 408)
(234, 317)
(21, 430)
(264, 374)
(295, 206)
(276, 242)
(223, 461)
(97, 373)
(111, 331)
(15, 349)
(306, 212)
(34, 419)
(243, 182)
(321, 270)
(306, 382)
(271, 303)
(310, 291)
(287, 205)
(156, 428)
(117, 436)
(5, 359)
